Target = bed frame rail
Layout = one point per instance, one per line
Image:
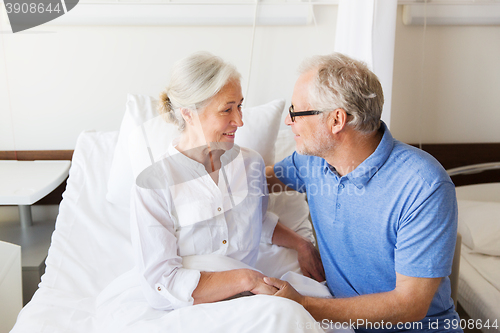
(457, 157)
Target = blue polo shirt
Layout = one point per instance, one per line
(396, 212)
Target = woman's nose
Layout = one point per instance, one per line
(238, 119)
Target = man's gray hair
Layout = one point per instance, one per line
(348, 84)
(193, 82)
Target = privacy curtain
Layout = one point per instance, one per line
(366, 31)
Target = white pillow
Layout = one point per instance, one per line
(260, 129)
(293, 211)
(131, 156)
(285, 144)
(290, 206)
(138, 110)
(479, 225)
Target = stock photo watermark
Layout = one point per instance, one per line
(27, 14)
(447, 324)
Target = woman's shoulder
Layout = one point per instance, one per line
(251, 155)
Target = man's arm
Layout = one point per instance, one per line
(308, 256)
(275, 185)
(408, 302)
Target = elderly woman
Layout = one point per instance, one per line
(206, 196)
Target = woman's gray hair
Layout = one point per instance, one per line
(193, 82)
(348, 84)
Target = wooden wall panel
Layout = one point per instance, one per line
(31, 155)
(450, 155)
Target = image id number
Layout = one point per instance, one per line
(31, 8)
(470, 323)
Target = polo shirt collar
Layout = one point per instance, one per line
(369, 167)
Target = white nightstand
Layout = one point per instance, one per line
(11, 300)
(23, 183)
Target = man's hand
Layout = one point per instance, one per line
(285, 290)
(408, 302)
(310, 261)
(254, 282)
(308, 255)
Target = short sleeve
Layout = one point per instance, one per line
(427, 234)
(288, 171)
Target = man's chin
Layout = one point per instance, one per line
(302, 151)
(306, 151)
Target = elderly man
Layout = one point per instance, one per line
(385, 213)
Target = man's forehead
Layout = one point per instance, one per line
(301, 89)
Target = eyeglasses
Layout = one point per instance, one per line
(294, 114)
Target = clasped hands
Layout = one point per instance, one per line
(310, 264)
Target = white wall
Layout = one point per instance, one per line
(447, 89)
(62, 80)
(57, 81)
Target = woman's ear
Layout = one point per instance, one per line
(187, 115)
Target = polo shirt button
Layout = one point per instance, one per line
(219, 209)
(159, 288)
(341, 186)
(338, 205)
(224, 241)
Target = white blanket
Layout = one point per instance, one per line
(90, 256)
(121, 307)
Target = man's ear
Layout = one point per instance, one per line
(337, 120)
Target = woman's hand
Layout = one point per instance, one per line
(217, 286)
(254, 282)
(310, 261)
(285, 290)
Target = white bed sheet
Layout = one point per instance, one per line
(487, 266)
(479, 278)
(479, 298)
(91, 248)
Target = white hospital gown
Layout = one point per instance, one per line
(177, 210)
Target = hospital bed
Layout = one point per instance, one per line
(91, 249)
(479, 225)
